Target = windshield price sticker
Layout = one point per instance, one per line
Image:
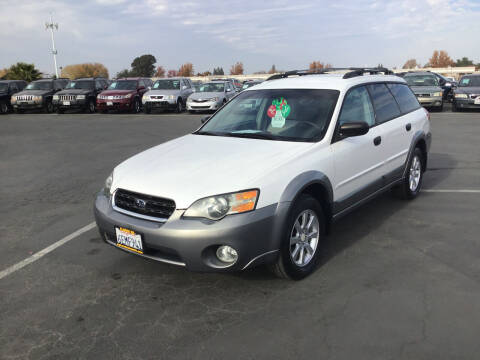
(278, 112)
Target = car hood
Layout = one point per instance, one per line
(196, 166)
(205, 95)
(117, 92)
(33, 92)
(163, 92)
(74, 92)
(425, 89)
(468, 90)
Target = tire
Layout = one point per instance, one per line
(291, 264)
(179, 108)
(147, 109)
(136, 106)
(3, 108)
(48, 108)
(407, 190)
(91, 106)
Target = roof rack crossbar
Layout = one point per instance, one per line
(352, 72)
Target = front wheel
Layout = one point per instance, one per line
(411, 185)
(48, 107)
(179, 107)
(303, 234)
(3, 108)
(136, 106)
(91, 106)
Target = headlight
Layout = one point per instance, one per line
(108, 185)
(461, 96)
(55, 97)
(189, 100)
(169, 97)
(437, 94)
(145, 97)
(37, 98)
(80, 97)
(216, 207)
(214, 99)
(13, 99)
(128, 96)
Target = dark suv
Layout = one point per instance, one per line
(124, 94)
(79, 94)
(7, 89)
(467, 94)
(38, 95)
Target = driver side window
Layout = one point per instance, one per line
(357, 107)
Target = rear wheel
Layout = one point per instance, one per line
(303, 234)
(411, 185)
(179, 107)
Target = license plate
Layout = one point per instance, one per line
(477, 100)
(128, 239)
(66, 103)
(109, 103)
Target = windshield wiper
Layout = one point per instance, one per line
(211, 133)
(254, 135)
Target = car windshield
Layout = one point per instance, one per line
(197, 87)
(421, 80)
(85, 84)
(249, 84)
(469, 81)
(280, 114)
(212, 87)
(123, 85)
(40, 85)
(167, 85)
(3, 87)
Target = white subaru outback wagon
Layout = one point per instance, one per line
(262, 179)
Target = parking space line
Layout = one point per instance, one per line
(465, 191)
(42, 253)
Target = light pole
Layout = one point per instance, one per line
(51, 25)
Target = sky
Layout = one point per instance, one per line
(289, 34)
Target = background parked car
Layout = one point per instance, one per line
(236, 83)
(168, 94)
(427, 89)
(447, 86)
(467, 94)
(38, 95)
(250, 83)
(211, 96)
(7, 89)
(124, 94)
(79, 94)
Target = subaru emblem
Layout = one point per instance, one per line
(140, 203)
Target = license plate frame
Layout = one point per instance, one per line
(66, 103)
(109, 103)
(129, 240)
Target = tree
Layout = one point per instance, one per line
(205, 73)
(143, 66)
(465, 61)
(172, 73)
(237, 69)
(410, 64)
(186, 70)
(218, 71)
(85, 70)
(440, 59)
(3, 73)
(123, 74)
(273, 70)
(160, 72)
(317, 65)
(23, 71)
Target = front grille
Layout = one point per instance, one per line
(423, 95)
(200, 107)
(67, 97)
(24, 97)
(156, 97)
(146, 205)
(200, 100)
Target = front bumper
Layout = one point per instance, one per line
(72, 104)
(160, 104)
(114, 104)
(193, 242)
(203, 106)
(430, 101)
(30, 105)
(466, 104)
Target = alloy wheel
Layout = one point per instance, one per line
(415, 173)
(304, 238)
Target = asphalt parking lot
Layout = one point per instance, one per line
(399, 280)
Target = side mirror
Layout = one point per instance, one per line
(205, 119)
(442, 82)
(149, 87)
(353, 129)
(184, 87)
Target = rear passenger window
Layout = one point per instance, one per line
(357, 107)
(386, 107)
(405, 97)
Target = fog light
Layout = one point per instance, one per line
(227, 254)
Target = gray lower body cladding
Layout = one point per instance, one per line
(192, 243)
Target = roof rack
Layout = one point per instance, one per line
(352, 72)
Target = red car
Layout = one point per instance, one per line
(124, 94)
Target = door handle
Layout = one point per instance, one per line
(408, 127)
(377, 140)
